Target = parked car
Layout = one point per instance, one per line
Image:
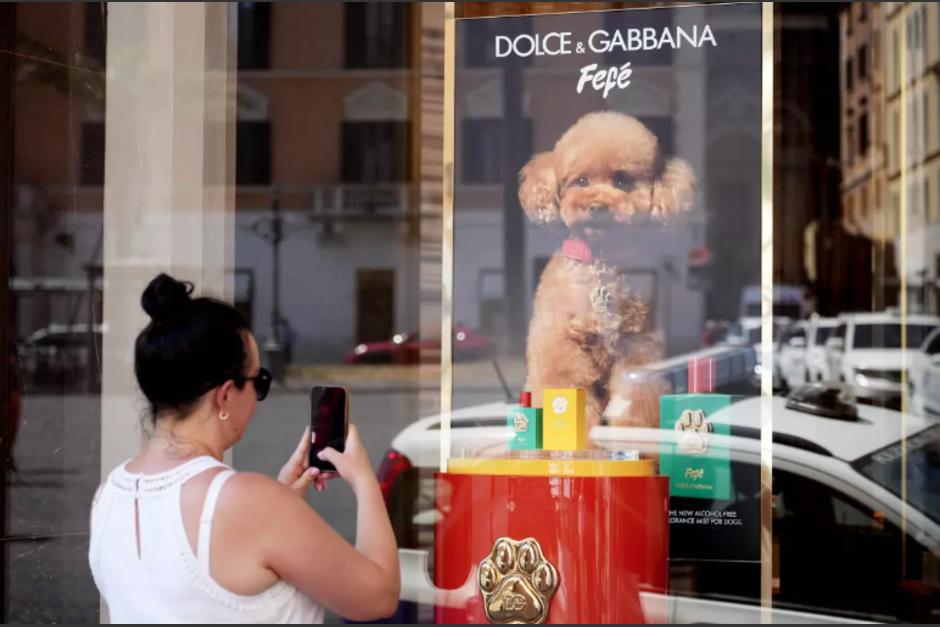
(748, 332)
(800, 355)
(61, 356)
(406, 348)
(837, 506)
(865, 351)
(817, 333)
(790, 356)
(925, 377)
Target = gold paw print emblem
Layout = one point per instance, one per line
(694, 431)
(517, 582)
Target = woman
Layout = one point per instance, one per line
(177, 536)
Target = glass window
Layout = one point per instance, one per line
(302, 181)
(933, 346)
(828, 541)
(919, 457)
(822, 334)
(863, 134)
(375, 152)
(377, 35)
(52, 164)
(253, 149)
(889, 335)
(254, 35)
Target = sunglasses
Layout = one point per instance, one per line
(261, 381)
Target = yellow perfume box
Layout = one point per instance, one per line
(563, 425)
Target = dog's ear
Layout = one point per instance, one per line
(673, 189)
(538, 188)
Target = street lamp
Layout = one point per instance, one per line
(272, 230)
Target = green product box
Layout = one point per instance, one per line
(526, 426)
(695, 465)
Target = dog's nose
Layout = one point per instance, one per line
(597, 208)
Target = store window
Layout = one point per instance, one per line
(52, 142)
(305, 185)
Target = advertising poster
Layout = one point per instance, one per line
(607, 235)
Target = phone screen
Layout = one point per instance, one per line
(328, 422)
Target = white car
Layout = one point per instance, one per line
(748, 332)
(790, 356)
(865, 351)
(838, 512)
(817, 333)
(925, 377)
(801, 352)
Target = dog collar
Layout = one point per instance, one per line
(577, 249)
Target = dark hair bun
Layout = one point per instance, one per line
(166, 298)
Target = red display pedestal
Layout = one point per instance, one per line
(606, 537)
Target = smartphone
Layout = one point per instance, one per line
(329, 422)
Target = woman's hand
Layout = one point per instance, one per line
(297, 473)
(353, 464)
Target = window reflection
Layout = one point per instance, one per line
(51, 69)
(337, 237)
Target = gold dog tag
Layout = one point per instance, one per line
(516, 582)
(600, 299)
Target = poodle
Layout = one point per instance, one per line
(605, 174)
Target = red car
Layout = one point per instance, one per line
(406, 348)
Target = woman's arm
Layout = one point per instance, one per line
(359, 583)
(374, 535)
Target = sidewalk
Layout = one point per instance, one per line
(476, 375)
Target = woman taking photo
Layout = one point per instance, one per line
(177, 536)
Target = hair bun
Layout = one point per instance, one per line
(165, 298)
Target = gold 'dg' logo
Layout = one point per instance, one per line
(693, 431)
(517, 582)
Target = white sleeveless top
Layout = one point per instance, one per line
(167, 583)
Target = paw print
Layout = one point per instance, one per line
(517, 582)
(694, 431)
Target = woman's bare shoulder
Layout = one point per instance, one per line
(253, 491)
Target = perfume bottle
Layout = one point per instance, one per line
(525, 423)
(564, 427)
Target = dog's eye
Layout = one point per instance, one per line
(582, 181)
(623, 180)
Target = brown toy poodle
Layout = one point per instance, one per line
(588, 329)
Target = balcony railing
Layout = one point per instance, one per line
(361, 199)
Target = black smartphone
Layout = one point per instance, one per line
(329, 422)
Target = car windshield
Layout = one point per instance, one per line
(922, 480)
(889, 335)
(822, 334)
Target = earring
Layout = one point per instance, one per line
(223, 415)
